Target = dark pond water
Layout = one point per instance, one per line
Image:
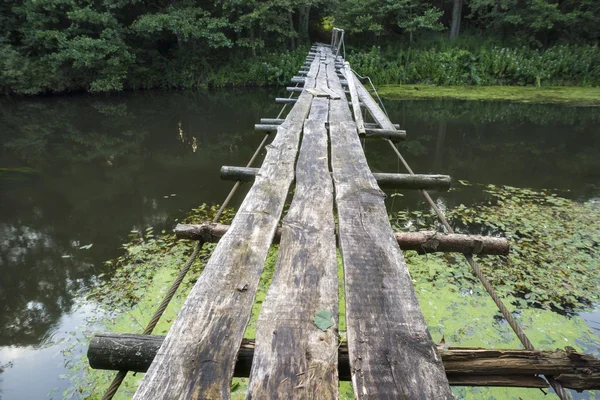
(86, 170)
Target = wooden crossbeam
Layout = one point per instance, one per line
(463, 366)
(422, 241)
(385, 180)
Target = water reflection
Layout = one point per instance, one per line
(84, 170)
(536, 146)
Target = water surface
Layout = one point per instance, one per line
(87, 170)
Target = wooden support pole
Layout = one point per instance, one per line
(275, 121)
(423, 242)
(463, 366)
(393, 135)
(285, 100)
(297, 79)
(392, 181)
(369, 125)
(294, 89)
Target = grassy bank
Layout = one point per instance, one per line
(564, 95)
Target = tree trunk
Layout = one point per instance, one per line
(252, 42)
(456, 17)
(292, 32)
(304, 13)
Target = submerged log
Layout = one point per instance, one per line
(399, 181)
(464, 367)
(424, 242)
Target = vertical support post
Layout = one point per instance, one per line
(339, 44)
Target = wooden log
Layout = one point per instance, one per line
(392, 134)
(416, 182)
(371, 126)
(464, 367)
(294, 89)
(397, 181)
(423, 242)
(293, 356)
(285, 100)
(212, 321)
(274, 121)
(265, 128)
(391, 356)
(297, 79)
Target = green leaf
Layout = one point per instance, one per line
(323, 319)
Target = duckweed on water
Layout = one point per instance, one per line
(554, 265)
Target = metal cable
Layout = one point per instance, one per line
(120, 376)
(560, 391)
(118, 379)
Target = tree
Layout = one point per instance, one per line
(456, 17)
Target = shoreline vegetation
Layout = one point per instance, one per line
(573, 96)
(52, 46)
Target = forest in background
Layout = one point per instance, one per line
(55, 46)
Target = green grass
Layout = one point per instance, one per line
(570, 96)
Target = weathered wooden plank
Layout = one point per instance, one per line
(294, 358)
(464, 366)
(358, 119)
(373, 108)
(381, 306)
(391, 353)
(212, 321)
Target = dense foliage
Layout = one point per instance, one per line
(110, 45)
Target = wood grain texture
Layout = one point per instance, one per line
(197, 358)
(391, 352)
(293, 357)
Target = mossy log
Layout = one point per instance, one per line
(463, 366)
(424, 242)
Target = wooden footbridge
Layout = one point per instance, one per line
(337, 203)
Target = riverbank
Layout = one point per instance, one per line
(562, 95)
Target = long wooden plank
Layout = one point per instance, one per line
(358, 119)
(391, 352)
(293, 357)
(197, 358)
(371, 105)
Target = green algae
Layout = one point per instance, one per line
(564, 95)
(454, 304)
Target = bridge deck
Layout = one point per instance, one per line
(391, 353)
